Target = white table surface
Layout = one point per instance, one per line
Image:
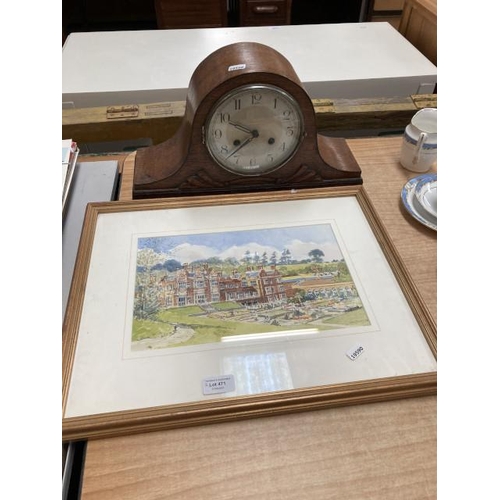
(332, 60)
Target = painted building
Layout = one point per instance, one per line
(198, 285)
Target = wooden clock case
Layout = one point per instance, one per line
(182, 165)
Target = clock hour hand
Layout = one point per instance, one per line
(241, 127)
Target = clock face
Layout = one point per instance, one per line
(254, 129)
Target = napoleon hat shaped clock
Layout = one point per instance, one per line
(249, 125)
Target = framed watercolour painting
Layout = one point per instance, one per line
(186, 311)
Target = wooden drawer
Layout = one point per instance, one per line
(265, 12)
(191, 13)
(387, 5)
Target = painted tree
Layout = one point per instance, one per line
(147, 258)
(256, 258)
(146, 303)
(316, 255)
(231, 261)
(247, 258)
(343, 269)
(264, 260)
(274, 258)
(286, 256)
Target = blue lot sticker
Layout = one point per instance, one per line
(218, 385)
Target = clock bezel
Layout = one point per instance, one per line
(230, 95)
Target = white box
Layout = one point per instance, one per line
(352, 60)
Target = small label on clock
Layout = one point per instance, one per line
(218, 385)
(236, 67)
(355, 352)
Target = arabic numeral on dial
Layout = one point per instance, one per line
(237, 104)
(218, 133)
(289, 131)
(253, 162)
(256, 98)
(287, 114)
(224, 150)
(283, 146)
(224, 117)
(270, 158)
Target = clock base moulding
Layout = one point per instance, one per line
(183, 165)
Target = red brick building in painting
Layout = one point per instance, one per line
(204, 285)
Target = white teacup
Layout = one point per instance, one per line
(419, 148)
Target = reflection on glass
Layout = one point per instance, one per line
(270, 335)
(193, 289)
(258, 373)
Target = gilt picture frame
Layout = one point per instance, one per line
(186, 311)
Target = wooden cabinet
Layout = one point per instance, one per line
(419, 26)
(123, 15)
(265, 12)
(385, 11)
(219, 13)
(191, 13)
(107, 15)
(328, 11)
(387, 5)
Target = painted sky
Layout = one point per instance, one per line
(300, 240)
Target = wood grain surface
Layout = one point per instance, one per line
(383, 179)
(159, 121)
(379, 451)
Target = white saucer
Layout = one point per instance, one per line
(413, 206)
(426, 193)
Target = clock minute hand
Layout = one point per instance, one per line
(244, 143)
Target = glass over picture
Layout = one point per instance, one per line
(193, 289)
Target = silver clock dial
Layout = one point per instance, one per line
(254, 129)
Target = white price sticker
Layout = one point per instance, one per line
(218, 385)
(355, 352)
(236, 67)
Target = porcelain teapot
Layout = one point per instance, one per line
(419, 148)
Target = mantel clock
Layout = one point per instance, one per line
(249, 125)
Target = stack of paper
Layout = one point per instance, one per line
(69, 155)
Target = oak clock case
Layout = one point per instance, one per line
(249, 125)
